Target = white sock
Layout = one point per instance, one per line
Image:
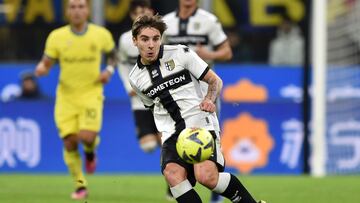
(223, 183)
(181, 188)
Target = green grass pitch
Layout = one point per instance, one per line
(134, 188)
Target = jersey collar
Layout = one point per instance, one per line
(157, 62)
(177, 12)
(80, 33)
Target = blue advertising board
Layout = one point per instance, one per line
(261, 123)
(29, 140)
(279, 83)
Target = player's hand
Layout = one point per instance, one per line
(41, 70)
(203, 52)
(207, 105)
(105, 77)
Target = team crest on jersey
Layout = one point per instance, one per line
(170, 65)
(197, 25)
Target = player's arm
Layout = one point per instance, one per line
(200, 70)
(214, 87)
(51, 54)
(222, 52)
(43, 67)
(218, 38)
(108, 47)
(112, 60)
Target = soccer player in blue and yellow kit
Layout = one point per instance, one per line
(78, 47)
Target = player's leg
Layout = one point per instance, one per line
(215, 198)
(178, 174)
(73, 162)
(90, 121)
(148, 142)
(230, 187)
(67, 124)
(90, 141)
(147, 133)
(226, 184)
(180, 186)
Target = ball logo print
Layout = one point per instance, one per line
(195, 145)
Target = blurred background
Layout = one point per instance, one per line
(290, 102)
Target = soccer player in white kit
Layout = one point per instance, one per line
(166, 78)
(198, 29)
(202, 32)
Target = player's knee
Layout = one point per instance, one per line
(70, 142)
(174, 174)
(87, 137)
(148, 143)
(207, 177)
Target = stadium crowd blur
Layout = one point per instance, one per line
(288, 46)
(24, 27)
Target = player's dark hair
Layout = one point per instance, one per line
(139, 3)
(146, 21)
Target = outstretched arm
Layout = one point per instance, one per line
(112, 58)
(222, 53)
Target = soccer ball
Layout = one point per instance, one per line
(195, 145)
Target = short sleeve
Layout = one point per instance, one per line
(51, 49)
(108, 42)
(193, 62)
(217, 34)
(145, 100)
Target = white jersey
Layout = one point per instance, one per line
(201, 27)
(128, 54)
(171, 87)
